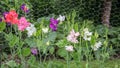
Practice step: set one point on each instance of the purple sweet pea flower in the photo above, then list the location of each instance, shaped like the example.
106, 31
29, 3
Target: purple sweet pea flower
53, 24
5, 14
34, 51
24, 8
0, 19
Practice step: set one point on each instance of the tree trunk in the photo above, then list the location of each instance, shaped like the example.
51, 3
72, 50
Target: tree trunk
106, 12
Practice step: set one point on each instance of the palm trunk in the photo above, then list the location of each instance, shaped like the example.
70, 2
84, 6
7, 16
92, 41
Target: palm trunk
106, 12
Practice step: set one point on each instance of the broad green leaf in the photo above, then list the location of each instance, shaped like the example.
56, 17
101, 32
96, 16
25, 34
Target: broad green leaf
26, 52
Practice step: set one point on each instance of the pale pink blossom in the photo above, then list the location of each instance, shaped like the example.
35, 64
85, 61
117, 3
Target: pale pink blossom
23, 24
69, 48
72, 37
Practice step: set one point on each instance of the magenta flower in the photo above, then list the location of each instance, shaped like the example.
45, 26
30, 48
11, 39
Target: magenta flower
34, 51
23, 24
53, 24
24, 8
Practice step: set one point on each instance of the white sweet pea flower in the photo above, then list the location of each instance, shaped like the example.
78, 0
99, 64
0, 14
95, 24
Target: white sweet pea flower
69, 48
61, 18
87, 34
96, 46
45, 30
31, 30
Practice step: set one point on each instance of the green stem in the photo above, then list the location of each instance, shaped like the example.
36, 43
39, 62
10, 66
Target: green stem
67, 59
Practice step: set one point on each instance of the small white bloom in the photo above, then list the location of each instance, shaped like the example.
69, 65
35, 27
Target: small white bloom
61, 18
31, 30
96, 46
69, 48
87, 34
45, 30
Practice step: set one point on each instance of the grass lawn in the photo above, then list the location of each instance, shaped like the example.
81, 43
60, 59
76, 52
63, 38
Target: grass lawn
73, 64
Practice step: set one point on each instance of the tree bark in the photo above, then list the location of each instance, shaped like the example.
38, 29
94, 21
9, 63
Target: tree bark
106, 12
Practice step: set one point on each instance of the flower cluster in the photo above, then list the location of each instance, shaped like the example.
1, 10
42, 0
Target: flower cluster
11, 17
96, 46
87, 34
53, 24
72, 37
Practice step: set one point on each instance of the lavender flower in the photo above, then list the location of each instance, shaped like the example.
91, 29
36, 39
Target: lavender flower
34, 51
24, 8
53, 24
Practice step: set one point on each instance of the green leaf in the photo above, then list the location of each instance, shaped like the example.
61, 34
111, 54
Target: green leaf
52, 49
12, 39
2, 26
52, 36
30, 41
62, 52
26, 52
11, 63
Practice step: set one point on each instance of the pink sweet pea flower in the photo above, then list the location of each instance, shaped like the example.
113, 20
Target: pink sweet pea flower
23, 24
72, 37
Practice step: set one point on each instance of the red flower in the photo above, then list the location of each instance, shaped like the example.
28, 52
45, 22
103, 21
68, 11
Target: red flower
11, 17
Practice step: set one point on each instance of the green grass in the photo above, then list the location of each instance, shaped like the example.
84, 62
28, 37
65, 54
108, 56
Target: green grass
73, 64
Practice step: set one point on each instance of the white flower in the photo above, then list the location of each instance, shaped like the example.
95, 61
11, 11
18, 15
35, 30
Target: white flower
72, 37
69, 48
61, 18
45, 30
96, 46
31, 30
87, 34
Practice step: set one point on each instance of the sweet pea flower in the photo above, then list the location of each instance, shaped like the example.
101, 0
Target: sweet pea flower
11, 17
31, 30
23, 24
0, 19
45, 30
72, 37
24, 8
53, 24
96, 46
61, 18
69, 48
87, 34
34, 51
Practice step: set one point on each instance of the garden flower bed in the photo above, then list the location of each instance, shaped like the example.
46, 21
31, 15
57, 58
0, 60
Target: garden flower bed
57, 41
